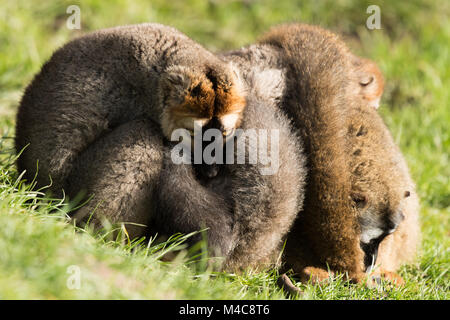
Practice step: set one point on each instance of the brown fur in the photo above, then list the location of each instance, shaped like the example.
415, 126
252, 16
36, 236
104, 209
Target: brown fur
197, 95
355, 169
97, 116
265, 206
134, 181
327, 229
103, 79
200, 104
381, 180
120, 172
229, 100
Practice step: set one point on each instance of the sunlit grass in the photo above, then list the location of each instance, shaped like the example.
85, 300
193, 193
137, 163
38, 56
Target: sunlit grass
38, 242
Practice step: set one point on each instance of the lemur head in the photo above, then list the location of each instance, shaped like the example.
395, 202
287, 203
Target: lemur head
370, 81
381, 193
379, 215
210, 97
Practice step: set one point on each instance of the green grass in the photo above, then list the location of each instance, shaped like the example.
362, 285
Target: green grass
37, 247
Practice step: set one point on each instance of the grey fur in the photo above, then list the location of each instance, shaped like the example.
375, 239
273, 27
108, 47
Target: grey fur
120, 172
91, 118
94, 84
248, 214
265, 206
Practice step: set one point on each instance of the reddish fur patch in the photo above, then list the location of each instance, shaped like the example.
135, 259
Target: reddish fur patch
377, 87
205, 102
229, 101
197, 103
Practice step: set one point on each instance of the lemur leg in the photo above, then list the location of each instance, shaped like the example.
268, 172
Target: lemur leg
131, 178
315, 275
185, 205
120, 172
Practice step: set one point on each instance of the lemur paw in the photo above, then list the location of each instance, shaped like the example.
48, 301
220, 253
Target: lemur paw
315, 275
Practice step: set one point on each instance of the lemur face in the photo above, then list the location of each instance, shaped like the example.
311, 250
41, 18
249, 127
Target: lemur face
377, 219
207, 99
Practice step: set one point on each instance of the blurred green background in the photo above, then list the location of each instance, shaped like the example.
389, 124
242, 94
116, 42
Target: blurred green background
412, 49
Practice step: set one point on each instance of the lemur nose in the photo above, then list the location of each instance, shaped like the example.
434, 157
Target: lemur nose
214, 123
394, 220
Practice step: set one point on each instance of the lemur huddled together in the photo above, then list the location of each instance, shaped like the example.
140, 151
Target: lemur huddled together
276, 149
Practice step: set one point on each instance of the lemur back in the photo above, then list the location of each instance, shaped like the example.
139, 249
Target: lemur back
352, 203
329, 90
107, 78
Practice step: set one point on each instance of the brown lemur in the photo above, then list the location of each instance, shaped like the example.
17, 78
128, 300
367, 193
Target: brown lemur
358, 190
98, 118
106, 78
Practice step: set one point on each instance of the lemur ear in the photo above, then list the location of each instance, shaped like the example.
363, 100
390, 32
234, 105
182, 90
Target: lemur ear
365, 79
370, 80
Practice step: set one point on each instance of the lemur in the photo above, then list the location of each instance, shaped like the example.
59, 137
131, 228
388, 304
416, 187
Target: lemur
352, 204
99, 117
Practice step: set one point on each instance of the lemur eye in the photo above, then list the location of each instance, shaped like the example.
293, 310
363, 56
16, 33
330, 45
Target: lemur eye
407, 194
359, 199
